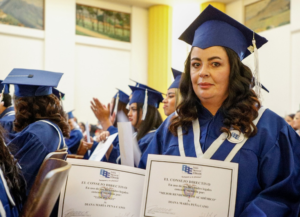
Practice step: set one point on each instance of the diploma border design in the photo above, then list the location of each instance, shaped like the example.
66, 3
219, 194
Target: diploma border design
231, 170
63, 203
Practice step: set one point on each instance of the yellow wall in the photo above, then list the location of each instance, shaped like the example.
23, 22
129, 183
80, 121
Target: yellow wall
159, 48
218, 5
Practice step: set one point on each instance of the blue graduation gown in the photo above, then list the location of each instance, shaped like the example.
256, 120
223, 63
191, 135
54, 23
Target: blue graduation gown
10, 209
74, 141
31, 146
7, 118
269, 162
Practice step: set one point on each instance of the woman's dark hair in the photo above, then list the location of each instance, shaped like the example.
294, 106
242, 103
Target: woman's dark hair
7, 100
292, 115
82, 124
152, 120
32, 109
239, 109
121, 107
12, 175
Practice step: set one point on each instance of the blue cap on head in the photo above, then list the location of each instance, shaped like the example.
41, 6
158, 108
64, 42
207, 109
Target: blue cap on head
123, 97
58, 94
214, 28
144, 86
29, 82
177, 76
70, 114
138, 96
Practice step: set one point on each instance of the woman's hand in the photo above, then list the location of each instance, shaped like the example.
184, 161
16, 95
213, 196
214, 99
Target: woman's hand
87, 145
104, 135
102, 113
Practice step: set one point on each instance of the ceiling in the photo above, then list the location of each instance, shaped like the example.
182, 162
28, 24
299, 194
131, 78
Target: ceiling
149, 3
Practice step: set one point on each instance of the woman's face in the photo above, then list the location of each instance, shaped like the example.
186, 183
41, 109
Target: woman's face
210, 70
297, 121
82, 127
132, 115
169, 102
289, 120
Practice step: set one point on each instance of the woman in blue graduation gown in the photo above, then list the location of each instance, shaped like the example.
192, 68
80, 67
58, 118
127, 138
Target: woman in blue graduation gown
143, 115
12, 184
221, 118
7, 116
74, 140
172, 98
40, 120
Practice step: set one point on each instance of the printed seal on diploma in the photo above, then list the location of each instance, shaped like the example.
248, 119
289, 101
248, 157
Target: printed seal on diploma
184, 186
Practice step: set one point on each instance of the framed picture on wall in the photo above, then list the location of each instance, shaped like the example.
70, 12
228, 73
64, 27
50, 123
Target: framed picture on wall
267, 14
103, 23
25, 13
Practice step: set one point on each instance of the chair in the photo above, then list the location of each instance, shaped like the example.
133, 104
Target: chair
62, 150
57, 155
46, 188
81, 149
75, 156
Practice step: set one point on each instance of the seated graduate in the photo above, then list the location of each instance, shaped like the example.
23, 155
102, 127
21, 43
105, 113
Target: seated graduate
221, 116
172, 98
73, 141
143, 115
7, 110
117, 104
12, 184
40, 120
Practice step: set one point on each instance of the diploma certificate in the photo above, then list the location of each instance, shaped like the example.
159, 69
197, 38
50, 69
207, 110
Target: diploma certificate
182, 186
101, 189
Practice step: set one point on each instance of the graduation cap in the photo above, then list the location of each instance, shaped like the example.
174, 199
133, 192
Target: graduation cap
177, 76
215, 28
29, 82
145, 86
145, 96
70, 114
1, 86
58, 94
122, 97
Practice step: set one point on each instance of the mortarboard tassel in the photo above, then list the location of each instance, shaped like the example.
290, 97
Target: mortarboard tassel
145, 105
256, 79
116, 104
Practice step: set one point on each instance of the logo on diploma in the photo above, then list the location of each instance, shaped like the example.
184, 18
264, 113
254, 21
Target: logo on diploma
188, 190
187, 169
109, 175
106, 193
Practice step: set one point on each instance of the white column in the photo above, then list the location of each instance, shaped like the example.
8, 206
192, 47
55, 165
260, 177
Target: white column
60, 45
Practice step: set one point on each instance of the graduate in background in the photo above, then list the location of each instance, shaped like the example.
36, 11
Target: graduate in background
40, 120
12, 184
118, 103
173, 97
7, 110
73, 141
221, 118
143, 115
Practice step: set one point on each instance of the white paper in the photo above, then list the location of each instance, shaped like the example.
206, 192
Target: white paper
102, 148
101, 189
87, 131
182, 186
126, 143
136, 149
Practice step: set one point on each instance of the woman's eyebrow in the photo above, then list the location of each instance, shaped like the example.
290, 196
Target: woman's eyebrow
171, 93
215, 57
196, 58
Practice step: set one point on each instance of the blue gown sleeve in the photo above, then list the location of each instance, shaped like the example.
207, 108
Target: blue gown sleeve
278, 176
155, 146
30, 155
115, 153
87, 155
74, 141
